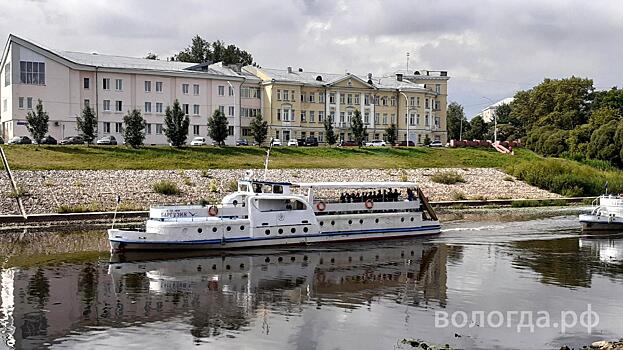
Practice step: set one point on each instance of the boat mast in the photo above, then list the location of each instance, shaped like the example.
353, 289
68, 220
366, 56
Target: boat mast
267, 159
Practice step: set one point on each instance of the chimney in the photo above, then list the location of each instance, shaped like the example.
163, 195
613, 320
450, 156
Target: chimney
289, 69
300, 69
399, 76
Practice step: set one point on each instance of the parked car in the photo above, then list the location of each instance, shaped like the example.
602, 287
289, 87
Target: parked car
48, 140
20, 140
347, 144
242, 142
404, 144
435, 143
107, 140
311, 141
276, 142
300, 142
72, 140
375, 143
198, 141
293, 142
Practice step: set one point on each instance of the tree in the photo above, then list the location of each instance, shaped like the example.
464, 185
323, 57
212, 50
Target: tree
329, 132
602, 145
38, 122
87, 125
392, 133
134, 130
357, 128
427, 140
176, 125
259, 129
455, 121
151, 56
478, 129
201, 50
217, 127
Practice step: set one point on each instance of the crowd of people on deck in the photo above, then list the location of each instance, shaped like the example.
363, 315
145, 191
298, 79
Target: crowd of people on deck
386, 195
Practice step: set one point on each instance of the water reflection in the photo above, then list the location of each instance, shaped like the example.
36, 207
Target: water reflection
215, 295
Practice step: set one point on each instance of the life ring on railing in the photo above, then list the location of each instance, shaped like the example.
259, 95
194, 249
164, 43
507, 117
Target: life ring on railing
213, 211
369, 204
321, 206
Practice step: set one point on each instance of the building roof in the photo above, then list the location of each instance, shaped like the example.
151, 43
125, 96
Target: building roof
326, 79
499, 103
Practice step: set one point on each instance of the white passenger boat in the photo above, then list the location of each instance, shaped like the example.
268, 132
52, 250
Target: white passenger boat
263, 213
606, 216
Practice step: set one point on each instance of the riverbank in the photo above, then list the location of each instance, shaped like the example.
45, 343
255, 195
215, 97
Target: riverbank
55, 191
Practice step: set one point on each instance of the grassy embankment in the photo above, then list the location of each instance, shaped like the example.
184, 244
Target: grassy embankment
567, 177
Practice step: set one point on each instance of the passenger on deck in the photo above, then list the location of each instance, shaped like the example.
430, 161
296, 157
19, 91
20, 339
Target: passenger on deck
342, 198
384, 198
396, 195
379, 196
410, 195
364, 196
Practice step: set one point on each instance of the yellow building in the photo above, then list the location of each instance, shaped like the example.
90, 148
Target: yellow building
295, 103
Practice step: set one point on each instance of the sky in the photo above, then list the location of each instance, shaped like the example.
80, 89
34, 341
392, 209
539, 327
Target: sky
491, 49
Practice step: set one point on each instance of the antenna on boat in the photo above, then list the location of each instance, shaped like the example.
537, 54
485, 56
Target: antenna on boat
114, 217
267, 159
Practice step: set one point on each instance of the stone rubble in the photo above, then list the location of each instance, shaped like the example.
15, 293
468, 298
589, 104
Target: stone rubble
49, 189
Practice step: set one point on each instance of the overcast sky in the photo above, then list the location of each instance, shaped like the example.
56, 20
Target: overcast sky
489, 48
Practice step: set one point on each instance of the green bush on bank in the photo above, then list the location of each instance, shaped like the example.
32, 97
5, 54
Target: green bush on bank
166, 187
568, 178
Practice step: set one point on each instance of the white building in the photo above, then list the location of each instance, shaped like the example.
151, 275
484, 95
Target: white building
113, 85
488, 114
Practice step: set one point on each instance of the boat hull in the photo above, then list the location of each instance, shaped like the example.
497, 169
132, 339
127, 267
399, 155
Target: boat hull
123, 244
600, 223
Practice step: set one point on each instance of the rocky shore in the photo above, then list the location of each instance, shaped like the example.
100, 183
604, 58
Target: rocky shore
70, 190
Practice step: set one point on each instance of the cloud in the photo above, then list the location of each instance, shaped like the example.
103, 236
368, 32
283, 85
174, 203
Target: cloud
490, 48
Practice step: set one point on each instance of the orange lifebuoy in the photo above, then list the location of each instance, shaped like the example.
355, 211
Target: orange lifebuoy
321, 206
213, 211
369, 204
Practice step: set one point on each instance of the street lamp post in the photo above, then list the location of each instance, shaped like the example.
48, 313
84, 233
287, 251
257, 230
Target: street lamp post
495, 121
407, 118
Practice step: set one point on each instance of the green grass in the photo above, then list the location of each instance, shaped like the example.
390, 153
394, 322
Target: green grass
26, 157
447, 177
538, 203
166, 187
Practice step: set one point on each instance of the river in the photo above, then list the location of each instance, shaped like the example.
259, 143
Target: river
500, 275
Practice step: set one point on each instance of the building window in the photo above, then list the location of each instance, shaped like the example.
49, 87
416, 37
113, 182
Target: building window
147, 86
20, 104
417, 101
357, 99
221, 90
342, 117
106, 83
321, 97
246, 132
4, 105
376, 118
412, 119
384, 118
158, 86
185, 108
393, 119
87, 103
245, 92
321, 137
195, 89
437, 122
426, 104
158, 107
31, 73
312, 97
107, 105
303, 116
320, 116
87, 83
221, 109
366, 99
312, 117
118, 84
7, 74
147, 107
148, 129
158, 129
118, 106
278, 114
332, 98
231, 111
366, 117
196, 129
341, 98
106, 127
293, 99
393, 101
118, 128
303, 99
285, 95
437, 88
196, 109
185, 89
278, 95
427, 121
231, 91
412, 101
230, 131
417, 119
384, 100
29, 103
350, 99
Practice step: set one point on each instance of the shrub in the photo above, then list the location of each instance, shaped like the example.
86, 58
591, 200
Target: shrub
447, 177
458, 196
188, 182
206, 173
21, 192
233, 185
203, 202
403, 176
213, 186
508, 178
166, 187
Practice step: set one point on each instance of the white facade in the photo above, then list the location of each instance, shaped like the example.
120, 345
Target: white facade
488, 114
112, 86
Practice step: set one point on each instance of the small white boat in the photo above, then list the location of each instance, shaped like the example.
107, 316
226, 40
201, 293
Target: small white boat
263, 213
606, 216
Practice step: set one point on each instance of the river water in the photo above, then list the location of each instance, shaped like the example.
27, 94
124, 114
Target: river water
64, 291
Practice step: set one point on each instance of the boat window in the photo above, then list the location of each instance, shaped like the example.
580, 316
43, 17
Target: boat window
267, 189
275, 204
257, 188
277, 189
244, 188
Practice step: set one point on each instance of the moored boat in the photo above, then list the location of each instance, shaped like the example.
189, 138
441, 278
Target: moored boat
606, 216
264, 213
